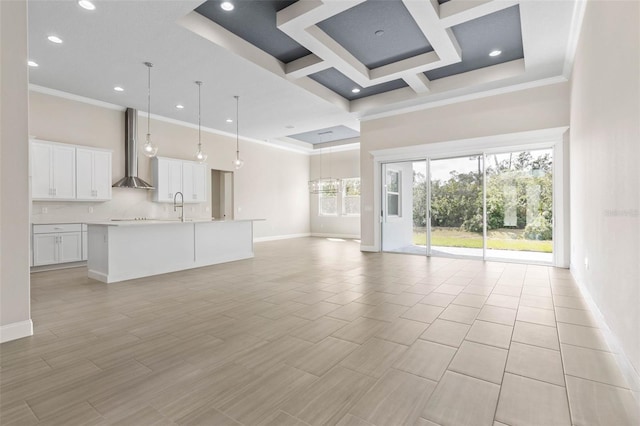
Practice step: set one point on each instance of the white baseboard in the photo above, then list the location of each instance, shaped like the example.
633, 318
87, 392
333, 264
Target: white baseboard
626, 367
280, 237
16, 330
372, 249
345, 236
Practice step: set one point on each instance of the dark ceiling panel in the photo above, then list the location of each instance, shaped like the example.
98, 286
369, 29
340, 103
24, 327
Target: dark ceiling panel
355, 29
255, 22
329, 134
500, 30
342, 85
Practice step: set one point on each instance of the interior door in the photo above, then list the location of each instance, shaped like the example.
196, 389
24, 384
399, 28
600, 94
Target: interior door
404, 207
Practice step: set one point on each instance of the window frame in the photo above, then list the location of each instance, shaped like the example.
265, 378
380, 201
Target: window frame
397, 193
343, 191
322, 195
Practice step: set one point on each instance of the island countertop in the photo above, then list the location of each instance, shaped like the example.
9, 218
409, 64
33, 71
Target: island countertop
129, 249
118, 222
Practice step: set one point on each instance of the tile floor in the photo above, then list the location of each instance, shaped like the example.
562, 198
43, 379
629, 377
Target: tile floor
314, 332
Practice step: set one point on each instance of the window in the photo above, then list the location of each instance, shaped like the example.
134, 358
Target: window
351, 197
340, 201
393, 193
328, 202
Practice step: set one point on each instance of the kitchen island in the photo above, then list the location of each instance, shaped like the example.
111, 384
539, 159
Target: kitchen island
124, 250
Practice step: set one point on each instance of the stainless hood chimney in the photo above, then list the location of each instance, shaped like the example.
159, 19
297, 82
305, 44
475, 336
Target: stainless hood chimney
131, 179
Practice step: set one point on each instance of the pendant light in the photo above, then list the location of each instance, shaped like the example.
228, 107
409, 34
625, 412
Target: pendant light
201, 157
149, 149
237, 163
324, 185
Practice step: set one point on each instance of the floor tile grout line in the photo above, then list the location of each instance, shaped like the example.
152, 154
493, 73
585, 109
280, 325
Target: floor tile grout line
504, 371
564, 371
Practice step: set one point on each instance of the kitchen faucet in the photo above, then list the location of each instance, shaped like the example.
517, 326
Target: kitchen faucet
175, 204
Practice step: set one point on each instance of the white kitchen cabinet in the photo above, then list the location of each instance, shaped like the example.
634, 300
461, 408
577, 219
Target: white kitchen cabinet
57, 243
194, 182
167, 178
53, 171
93, 170
171, 175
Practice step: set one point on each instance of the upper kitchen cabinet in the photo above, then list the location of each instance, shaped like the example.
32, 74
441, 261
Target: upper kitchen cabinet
69, 172
53, 171
167, 178
194, 183
171, 175
94, 175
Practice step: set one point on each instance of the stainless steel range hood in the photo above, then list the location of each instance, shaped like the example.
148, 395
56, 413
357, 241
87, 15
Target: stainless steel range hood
131, 179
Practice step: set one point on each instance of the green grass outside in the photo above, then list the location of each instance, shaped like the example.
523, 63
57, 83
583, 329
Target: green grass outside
499, 239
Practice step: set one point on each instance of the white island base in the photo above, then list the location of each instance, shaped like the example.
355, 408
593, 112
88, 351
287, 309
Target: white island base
121, 251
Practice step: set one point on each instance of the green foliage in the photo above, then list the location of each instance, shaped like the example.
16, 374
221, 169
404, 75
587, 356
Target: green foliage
539, 229
419, 200
519, 191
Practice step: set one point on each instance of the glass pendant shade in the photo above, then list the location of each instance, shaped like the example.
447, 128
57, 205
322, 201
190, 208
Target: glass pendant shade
201, 157
149, 149
238, 163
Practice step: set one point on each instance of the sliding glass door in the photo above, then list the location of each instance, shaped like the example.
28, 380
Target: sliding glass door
457, 206
486, 205
520, 206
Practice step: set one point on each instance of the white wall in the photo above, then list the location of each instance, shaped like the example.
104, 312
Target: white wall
339, 165
272, 185
526, 110
605, 172
15, 317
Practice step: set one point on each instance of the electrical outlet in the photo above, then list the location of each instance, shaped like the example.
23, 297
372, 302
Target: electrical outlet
193, 209
586, 263
45, 210
207, 209
90, 209
239, 209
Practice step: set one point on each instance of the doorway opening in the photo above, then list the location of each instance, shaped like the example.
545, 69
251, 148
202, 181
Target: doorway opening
221, 194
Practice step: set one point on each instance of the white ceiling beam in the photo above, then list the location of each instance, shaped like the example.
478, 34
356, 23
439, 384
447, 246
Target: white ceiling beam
304, 66
456, 12
444, 43
418, 82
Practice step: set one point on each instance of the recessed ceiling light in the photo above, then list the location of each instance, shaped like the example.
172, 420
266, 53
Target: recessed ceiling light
118, 89
180, 106
355, 90
86, 4
289, 126
54, 39
379, 33
32, 64
227, 5
495, 52
228, 120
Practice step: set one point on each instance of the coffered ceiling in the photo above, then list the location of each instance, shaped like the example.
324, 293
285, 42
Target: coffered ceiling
300, 67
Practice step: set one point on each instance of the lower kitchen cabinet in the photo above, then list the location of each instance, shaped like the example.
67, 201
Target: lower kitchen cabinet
57, 243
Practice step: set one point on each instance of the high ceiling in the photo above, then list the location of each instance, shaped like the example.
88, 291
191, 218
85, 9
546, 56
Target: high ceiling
294, 64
